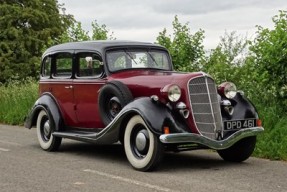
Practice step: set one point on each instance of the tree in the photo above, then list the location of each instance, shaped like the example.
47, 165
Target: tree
269, 58
77, 33
186, 49
226, 61
27, 27
74, 33
100, 32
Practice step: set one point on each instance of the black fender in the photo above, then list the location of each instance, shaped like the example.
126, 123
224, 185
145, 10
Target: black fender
45, 102
243, 109
155, 114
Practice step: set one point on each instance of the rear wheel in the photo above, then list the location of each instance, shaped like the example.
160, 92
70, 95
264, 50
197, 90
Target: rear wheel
143, 149
240, 151
45, 128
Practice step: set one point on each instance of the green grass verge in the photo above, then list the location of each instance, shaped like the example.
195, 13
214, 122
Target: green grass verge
16, 99
272, 144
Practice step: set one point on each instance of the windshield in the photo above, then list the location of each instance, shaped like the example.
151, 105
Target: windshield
131, 59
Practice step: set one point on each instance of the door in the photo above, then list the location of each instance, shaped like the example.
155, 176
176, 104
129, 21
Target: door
61, 86
88, 80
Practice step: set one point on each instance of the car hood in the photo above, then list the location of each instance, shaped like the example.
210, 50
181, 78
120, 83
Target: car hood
146, 83
153, 78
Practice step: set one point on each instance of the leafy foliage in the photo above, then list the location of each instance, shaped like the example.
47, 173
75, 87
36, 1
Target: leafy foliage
186, 49
226, 61
77, 33
269, 58
74, 33
27, 27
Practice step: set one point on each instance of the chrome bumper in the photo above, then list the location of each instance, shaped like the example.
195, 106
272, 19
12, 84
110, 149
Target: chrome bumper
185, 138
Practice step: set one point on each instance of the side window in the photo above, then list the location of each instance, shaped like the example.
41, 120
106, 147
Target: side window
90, 65
63, 65
46, 67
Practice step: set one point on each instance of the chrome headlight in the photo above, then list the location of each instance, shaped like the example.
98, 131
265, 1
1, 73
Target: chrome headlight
174, 93
171, 92
228, 89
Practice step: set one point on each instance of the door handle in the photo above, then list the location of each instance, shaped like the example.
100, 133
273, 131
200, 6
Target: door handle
69, 87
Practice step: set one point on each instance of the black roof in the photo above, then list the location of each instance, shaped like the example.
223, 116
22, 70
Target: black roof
98, 46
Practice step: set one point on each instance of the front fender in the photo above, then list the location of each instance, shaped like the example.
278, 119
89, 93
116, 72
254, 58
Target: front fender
45, 102
243, 109
156, 115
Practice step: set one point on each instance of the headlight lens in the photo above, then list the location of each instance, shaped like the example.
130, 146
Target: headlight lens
174, 93
230, 90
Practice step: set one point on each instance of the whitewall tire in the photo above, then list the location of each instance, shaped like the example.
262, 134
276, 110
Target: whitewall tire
143, 149
45, 128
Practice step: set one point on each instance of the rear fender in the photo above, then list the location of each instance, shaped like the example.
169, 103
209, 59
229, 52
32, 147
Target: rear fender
45, 102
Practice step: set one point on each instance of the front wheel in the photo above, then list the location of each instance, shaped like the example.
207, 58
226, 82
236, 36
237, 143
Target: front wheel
143, 149
240, 151
47, 141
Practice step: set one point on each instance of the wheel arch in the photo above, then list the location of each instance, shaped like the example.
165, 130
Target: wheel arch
45, 102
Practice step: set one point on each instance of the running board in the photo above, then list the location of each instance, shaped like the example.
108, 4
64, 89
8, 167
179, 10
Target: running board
97, 138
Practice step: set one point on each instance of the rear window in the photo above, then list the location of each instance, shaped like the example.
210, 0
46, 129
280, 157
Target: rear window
46, 67
63, 65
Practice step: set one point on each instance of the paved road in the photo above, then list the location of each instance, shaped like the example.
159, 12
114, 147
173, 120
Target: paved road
85, 167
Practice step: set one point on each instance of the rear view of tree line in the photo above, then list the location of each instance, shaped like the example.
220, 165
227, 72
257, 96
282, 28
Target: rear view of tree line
257, 66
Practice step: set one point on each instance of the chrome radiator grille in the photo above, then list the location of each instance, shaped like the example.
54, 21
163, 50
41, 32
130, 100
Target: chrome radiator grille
205, 106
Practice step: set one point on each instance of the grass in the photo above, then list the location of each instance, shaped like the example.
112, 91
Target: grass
272, 144
16, 99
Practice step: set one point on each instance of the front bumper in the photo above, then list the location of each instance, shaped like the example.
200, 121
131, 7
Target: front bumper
186, 138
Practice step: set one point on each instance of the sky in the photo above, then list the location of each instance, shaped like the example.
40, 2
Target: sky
143, 20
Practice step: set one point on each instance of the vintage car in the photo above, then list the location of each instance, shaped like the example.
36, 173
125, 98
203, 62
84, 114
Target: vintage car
105, 92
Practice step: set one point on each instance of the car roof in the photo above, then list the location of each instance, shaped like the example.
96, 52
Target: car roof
99, 46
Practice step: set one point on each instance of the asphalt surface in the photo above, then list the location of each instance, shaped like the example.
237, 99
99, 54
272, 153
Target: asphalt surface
77, 166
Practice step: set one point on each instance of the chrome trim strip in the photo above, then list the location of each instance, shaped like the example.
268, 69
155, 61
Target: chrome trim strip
180, 138
211, 107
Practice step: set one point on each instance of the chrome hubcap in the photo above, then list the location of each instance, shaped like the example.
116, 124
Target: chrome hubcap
141, 141
47, 129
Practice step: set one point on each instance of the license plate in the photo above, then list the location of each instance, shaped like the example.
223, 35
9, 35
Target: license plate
239, 124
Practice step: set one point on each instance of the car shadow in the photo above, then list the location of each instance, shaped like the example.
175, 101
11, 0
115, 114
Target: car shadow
195, 160
88, 150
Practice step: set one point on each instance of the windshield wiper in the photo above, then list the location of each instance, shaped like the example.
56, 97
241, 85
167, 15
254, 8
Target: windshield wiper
153, 59
131, 57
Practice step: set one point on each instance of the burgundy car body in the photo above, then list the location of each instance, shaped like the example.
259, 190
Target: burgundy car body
176, 111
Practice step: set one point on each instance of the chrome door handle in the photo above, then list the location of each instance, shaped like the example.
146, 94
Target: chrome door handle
69, 87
